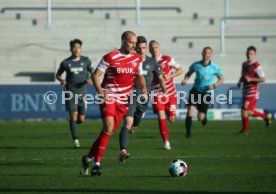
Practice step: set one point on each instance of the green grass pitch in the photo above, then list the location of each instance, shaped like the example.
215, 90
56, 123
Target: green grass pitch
38, 157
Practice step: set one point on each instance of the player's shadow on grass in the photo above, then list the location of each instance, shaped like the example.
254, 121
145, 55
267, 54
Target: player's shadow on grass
42, 148
153, 176
22, 164
142, 137
7, 190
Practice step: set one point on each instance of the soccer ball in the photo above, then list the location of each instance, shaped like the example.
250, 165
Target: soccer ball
178, 168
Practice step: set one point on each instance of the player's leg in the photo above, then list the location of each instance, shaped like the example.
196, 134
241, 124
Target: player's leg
124, 134
171, 109
245, 112
123, 138
192, 103
160, 107
112, 115
82, 107
189, 120
98, 148
100, 144
73, 128
72, 108
203, 108
266, 117
138, 115
201, 116
81, 119
78, 118
268, 120
164, 130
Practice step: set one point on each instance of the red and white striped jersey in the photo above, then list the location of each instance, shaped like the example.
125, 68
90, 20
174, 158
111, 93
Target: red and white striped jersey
120, 72
252, 70
166, 64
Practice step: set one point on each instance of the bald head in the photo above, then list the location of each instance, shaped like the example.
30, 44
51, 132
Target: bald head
126, 34
129, 40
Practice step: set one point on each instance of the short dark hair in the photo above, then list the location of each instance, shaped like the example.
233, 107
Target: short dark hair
152, 42
205, 48
141, 39
125, 35
73, 42
251, 48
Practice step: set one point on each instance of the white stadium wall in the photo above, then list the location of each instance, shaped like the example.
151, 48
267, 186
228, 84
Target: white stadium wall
30, 53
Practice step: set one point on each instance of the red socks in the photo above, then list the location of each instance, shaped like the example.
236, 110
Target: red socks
259, 114
245, 121
164, 130
99, 146
94, 148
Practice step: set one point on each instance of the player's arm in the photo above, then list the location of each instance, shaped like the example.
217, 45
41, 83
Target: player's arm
220, 79
96, 75
141, 80
187, 77
241, 78
90, 70
157, 72
259, 78
162, 83
59, 73
178, 71
239, 82
256, 79
142, 84
217, 83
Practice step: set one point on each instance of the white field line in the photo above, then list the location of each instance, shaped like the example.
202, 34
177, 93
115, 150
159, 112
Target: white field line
141, 157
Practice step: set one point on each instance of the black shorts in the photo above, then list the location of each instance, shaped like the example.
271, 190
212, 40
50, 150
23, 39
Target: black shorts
200, 100
76, 105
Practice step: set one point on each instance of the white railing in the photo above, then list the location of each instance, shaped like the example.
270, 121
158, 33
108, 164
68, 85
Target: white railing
223, 25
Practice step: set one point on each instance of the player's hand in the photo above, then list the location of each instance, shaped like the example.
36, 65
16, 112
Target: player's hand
133, 129
105, 98
166, 77
89, 82
211, 87
247, 79
183, 82
165, 92
63, 82
145, 96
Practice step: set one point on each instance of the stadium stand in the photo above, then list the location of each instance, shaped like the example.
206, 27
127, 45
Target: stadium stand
30, 52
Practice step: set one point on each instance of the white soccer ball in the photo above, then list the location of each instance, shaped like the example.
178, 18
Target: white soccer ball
178, 168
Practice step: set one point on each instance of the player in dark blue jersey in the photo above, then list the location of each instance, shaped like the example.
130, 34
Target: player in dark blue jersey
78, 69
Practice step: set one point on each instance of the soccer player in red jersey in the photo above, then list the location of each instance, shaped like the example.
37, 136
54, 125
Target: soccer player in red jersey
165, 103
252, 74
120, 69
139, 106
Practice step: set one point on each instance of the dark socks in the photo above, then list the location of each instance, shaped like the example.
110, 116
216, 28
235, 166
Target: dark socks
73, 128
124, 134
188, 125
